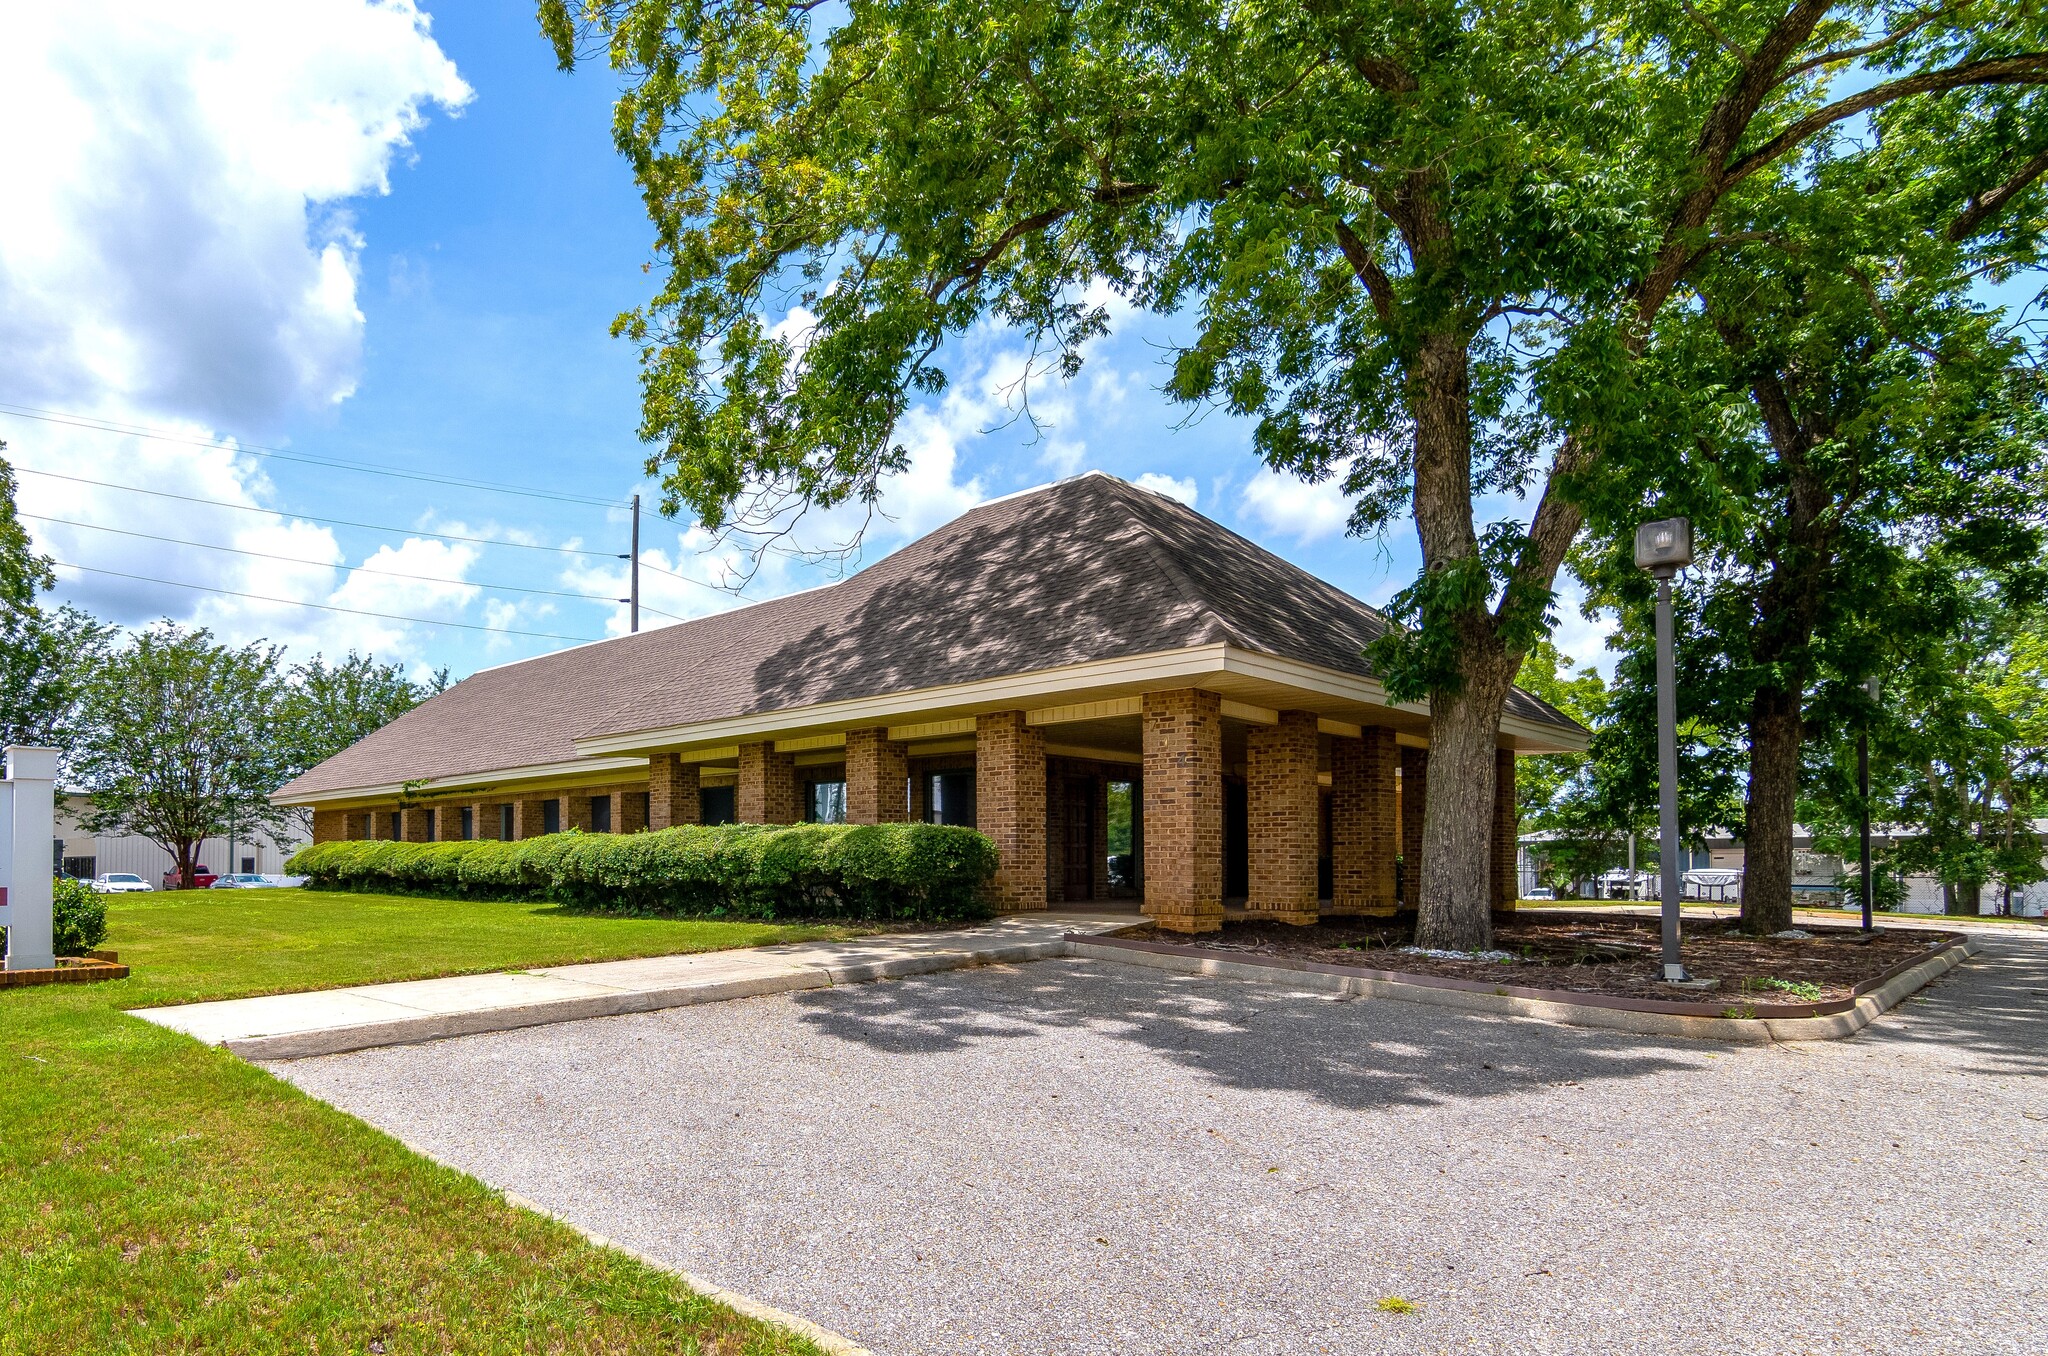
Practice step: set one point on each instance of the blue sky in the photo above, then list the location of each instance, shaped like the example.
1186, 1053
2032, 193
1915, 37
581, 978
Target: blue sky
367, 233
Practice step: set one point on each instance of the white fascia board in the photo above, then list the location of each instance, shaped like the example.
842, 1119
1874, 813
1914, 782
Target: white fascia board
532, 772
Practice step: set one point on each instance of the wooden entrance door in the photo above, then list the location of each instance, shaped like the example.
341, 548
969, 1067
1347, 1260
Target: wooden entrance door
1079, 853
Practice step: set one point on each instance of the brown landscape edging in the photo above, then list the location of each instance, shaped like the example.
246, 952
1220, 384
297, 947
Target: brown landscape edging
1705, 1021
69, 970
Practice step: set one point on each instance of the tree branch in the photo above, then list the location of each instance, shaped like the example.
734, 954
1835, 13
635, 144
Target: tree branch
2028, 69
1986, 205
1837, 56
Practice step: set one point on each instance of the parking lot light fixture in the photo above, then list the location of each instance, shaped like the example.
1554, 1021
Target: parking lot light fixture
1663, 548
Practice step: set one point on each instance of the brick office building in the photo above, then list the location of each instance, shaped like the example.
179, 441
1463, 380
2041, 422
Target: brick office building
1032, 668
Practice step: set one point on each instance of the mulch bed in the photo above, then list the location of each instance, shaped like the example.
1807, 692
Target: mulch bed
1606, 954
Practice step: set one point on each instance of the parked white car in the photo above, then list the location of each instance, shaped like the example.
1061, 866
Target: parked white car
118, 883
240, 880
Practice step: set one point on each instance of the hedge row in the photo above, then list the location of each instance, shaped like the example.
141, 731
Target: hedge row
870, 872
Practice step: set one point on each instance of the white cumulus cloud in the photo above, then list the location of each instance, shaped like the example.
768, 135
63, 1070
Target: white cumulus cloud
1289, 506
1183, 489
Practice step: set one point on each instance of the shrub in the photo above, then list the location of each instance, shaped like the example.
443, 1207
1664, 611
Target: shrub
868, 872
78, 918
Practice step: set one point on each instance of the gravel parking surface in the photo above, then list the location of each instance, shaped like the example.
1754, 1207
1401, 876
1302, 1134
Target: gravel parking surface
1074, 1156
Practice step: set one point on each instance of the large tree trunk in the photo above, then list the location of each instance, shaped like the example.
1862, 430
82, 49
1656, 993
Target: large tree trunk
1964, 897
1774, 738
1456, 906
185, 854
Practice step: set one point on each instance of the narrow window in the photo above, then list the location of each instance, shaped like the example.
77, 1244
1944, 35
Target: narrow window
551, 816
1123, 866
396, 834
505, 823
600, 814
248, 866
468, 823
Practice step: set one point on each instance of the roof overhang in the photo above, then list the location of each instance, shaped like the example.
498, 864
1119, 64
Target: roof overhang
577, 771
1256, 687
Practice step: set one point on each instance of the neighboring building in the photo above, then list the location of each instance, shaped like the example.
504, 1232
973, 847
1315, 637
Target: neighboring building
1015, 670
86, 855
1714, 872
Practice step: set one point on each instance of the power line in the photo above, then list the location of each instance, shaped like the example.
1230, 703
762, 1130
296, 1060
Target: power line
282, 454
324, 564
331, 522
324, 607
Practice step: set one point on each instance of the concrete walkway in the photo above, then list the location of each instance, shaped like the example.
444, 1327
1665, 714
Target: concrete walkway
331, 1021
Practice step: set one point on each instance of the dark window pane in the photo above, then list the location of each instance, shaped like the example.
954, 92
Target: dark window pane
828, 803
952, 799
468, 823
600, 814
715, 805
551, 816
506, 822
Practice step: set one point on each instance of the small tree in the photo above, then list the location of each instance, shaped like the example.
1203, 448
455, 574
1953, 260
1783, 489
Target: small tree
178, 740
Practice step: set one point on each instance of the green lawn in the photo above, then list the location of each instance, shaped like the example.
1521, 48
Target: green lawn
160, 1196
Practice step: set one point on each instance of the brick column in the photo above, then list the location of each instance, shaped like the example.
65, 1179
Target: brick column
528, 819
876, 771
632, 812
484, 814
672, 789
1506, 887
1183, 809
1009, 805
1365, 835
767, 791
1414, 795
1282, 821
415, 824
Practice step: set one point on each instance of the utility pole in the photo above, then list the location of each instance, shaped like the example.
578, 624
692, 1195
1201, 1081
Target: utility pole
633, 567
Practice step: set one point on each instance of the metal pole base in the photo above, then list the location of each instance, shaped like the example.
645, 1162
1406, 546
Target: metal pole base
1677, 974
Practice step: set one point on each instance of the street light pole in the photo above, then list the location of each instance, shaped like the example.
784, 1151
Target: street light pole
1664, 548
632, 597
1870, 687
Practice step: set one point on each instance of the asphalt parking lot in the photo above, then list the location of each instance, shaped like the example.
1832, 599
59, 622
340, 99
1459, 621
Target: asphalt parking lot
1074, 1156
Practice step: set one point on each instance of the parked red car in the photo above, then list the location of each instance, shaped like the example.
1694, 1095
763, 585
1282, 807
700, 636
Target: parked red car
202, 879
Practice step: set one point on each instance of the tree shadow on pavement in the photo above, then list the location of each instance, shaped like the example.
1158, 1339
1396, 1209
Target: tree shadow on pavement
1990, 1013
1351, 1053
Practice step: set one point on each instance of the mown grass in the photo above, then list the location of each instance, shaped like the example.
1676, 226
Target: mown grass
160, 1196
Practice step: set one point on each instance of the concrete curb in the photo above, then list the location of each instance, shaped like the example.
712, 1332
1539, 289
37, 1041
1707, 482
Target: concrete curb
824, 1338
1746, 1031
438, 1026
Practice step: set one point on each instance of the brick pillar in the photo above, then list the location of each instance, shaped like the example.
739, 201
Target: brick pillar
1009, 805
876, 770
528, 818
416, 824
1283, 823
1183, 809
632, 812
330, 826
484, 814
1365, 835
576, 810
1414, 795
767, 791
672, 789
1506, 886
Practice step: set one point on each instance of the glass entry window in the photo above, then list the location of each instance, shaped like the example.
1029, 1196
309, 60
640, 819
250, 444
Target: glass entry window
949, 798
600, 814
826, 803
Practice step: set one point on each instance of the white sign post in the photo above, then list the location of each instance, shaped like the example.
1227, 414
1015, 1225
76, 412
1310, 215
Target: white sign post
28, 821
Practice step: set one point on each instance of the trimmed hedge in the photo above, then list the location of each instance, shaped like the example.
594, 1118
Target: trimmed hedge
917, 872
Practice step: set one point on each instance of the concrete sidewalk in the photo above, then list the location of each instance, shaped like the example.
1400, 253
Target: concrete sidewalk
331, 1021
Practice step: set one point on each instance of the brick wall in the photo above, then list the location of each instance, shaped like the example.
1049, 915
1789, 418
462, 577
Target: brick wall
1414, 796
331, 826
416, 824
1009, 805
877, 771
767, 790
631, 810
1183, 809
1283, 819
529, 816
1365, 832
672, 790
484, 814
1505, 882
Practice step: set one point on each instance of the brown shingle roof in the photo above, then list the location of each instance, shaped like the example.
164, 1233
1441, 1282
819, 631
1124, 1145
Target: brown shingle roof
1087, 569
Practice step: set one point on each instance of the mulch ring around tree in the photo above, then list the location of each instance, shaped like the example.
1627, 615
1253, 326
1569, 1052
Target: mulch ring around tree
1610, 954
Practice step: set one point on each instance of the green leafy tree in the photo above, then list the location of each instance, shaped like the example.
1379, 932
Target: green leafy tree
1836, 401
178, 740
1421, 242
